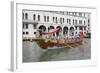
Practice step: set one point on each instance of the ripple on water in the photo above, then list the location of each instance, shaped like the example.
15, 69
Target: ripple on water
33, 53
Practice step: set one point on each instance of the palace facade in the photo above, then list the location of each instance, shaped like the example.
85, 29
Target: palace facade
69, 23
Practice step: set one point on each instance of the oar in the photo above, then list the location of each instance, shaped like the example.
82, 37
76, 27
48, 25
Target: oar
77, 44
69, 46
84, 41
65, 46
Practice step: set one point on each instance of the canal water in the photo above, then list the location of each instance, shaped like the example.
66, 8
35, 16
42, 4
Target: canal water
33, 53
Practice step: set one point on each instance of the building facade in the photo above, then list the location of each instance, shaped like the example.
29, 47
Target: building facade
69, 23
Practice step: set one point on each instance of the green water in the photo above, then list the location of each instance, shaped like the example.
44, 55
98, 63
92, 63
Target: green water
33, 53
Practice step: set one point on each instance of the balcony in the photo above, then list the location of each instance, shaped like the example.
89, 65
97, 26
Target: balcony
80, 25
30, 21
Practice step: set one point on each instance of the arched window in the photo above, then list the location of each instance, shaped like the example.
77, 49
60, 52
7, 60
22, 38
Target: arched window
34, 17
48, 18
42, 28
38, 17
45, 18
80, 28
58, 33
88, 21
67, 20
56, 19
84, 22
26, 16
26, 26
23, 16
65, 30
71, 31
76, 27
53, 19
84, 28
61, 20
73, 21
80, 21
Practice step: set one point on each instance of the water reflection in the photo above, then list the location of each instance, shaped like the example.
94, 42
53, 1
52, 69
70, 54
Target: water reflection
33, 53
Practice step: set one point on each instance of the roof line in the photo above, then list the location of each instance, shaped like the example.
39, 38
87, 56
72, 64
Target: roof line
57, 5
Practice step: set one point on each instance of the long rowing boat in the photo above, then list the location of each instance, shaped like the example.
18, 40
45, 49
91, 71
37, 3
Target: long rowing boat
59, 42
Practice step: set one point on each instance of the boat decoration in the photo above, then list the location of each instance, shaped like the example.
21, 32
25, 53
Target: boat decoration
61, 42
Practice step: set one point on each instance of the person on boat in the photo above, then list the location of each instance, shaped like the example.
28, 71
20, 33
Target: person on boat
73, 38
58, 37
77, 37
69, 39
66, 38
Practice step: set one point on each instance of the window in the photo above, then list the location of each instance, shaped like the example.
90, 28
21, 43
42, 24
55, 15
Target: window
45, 18
56, 19
34, 17
26, 26
23, 25
88, 21
84, 28
53, 19
34, 32
48, 18
23, 15
80, 21
27, 33
63, 20
84, 22
75, 21
69, 21
76, 28
35, 25
38, 17
80, 28
26, 16
23, 33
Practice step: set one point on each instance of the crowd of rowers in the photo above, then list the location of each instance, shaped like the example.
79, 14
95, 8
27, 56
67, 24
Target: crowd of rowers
64, 39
